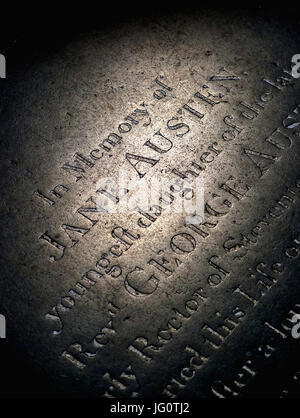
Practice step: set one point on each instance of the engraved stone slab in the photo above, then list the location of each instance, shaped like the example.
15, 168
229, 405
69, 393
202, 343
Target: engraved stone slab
133, 304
